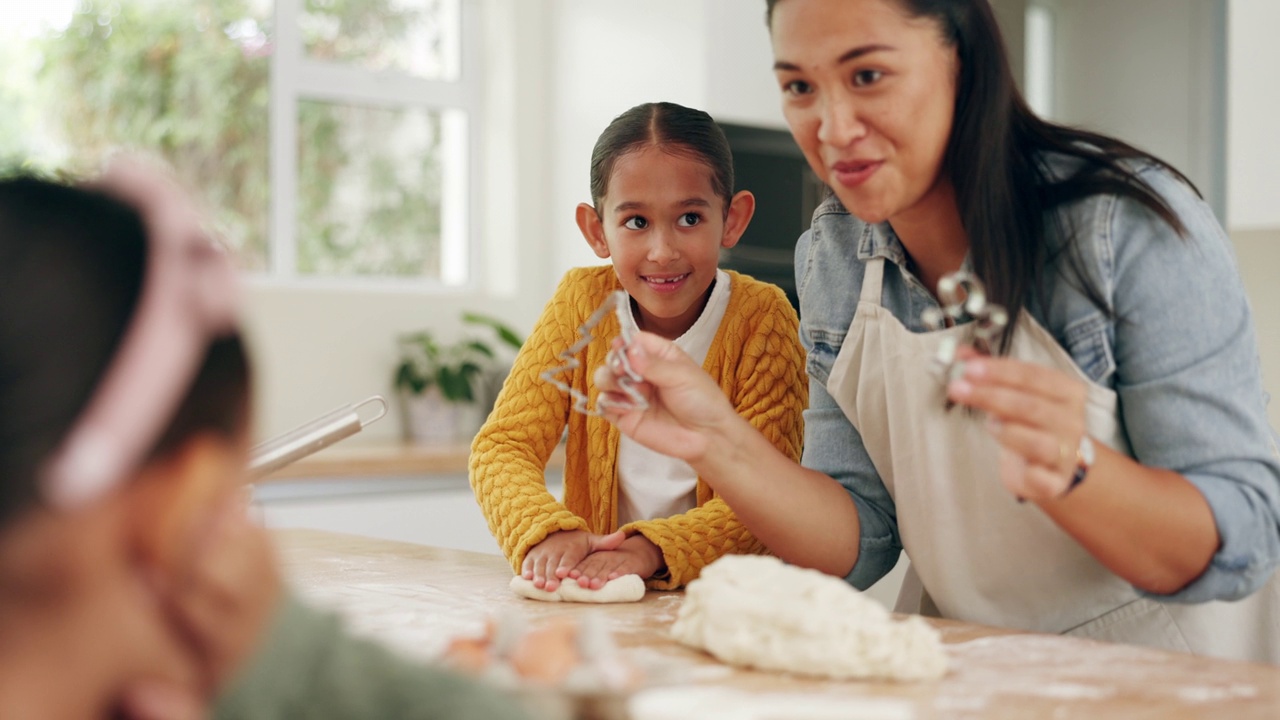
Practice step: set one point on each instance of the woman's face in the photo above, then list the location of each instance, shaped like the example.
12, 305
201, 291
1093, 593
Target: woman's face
869, 93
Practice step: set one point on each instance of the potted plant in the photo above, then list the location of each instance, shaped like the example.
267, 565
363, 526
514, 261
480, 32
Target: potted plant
446, 390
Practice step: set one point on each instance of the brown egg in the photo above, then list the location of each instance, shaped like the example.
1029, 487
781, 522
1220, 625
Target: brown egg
547, 654
470, 655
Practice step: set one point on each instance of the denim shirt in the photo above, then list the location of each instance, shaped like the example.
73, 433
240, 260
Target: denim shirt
1181, 354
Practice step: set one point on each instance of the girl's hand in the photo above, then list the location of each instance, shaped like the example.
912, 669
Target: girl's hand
635, 556
1035, 413
551, 560
686, 407
223, 606
160, 700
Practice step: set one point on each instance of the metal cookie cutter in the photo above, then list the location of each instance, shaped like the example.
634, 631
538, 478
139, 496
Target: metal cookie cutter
616, 360
963, 298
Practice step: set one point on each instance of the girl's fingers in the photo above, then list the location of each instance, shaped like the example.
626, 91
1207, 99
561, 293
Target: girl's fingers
590, 570
541, 578
565, 565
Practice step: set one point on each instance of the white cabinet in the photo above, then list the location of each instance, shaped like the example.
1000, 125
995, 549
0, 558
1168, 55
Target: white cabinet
437, 510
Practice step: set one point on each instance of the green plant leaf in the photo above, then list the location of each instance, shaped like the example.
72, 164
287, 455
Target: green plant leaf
480, 347
407, 378
504, 332
454, 385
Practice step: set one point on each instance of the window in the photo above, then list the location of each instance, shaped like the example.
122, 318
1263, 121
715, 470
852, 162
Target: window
331, 138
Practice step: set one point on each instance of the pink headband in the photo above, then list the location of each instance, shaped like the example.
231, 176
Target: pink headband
188, 298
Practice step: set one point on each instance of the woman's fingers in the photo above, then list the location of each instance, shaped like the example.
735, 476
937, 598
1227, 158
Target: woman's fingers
1036, 446
1036, 413
1023, 376
1008, 404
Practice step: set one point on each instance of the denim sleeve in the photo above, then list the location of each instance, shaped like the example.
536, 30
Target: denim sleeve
1189, 382
833, 446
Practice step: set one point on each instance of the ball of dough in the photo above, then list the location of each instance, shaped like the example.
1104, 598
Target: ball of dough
759, 612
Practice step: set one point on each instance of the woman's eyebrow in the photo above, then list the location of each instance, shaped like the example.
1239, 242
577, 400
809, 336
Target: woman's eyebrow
853, 54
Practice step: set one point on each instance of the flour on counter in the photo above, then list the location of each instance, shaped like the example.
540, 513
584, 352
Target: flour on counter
707, 703
759, 612
628, 588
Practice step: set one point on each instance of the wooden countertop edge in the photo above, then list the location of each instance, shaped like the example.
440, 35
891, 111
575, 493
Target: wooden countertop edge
386, 459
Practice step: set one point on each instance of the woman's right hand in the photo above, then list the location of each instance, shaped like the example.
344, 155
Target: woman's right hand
687, 409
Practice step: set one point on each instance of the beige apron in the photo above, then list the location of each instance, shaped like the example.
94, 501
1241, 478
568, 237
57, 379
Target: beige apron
976, 553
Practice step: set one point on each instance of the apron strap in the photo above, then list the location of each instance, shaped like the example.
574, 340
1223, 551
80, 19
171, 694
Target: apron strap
872, 280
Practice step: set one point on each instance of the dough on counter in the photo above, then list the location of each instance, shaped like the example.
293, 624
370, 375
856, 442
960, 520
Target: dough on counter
757, 611
628, 588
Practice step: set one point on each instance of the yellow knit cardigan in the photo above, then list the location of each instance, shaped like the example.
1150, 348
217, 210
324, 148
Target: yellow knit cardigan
757, 358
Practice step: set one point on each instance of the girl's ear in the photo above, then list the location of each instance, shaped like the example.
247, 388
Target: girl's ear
592, 228
741, 208
175, 499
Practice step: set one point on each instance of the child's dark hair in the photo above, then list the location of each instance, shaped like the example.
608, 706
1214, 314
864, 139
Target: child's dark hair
71, 268
674, 128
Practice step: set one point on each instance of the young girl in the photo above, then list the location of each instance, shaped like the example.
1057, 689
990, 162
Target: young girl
663, 207
130, 577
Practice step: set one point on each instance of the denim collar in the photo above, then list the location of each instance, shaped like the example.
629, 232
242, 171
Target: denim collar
880, 240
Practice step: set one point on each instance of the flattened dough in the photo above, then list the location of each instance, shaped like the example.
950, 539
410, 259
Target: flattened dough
759, 612
628, 588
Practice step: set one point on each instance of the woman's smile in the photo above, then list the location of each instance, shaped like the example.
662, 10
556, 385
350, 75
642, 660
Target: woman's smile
852, 173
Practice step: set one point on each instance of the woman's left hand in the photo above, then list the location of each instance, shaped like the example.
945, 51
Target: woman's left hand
1035, 413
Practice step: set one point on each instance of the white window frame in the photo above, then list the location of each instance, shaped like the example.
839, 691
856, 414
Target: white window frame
295, 77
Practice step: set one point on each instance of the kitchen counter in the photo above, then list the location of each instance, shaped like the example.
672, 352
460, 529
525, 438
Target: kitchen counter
389, 458
416, 598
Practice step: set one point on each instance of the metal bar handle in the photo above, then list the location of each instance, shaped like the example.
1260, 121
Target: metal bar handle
273, 454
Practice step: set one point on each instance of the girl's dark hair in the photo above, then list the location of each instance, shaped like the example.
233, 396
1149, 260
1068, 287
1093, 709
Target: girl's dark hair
995, 160
71, 268
674, 128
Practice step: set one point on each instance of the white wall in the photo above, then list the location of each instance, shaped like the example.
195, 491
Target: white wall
608, 56
1253, 171
739, 65
1143, 70
1253, 107
1258, 252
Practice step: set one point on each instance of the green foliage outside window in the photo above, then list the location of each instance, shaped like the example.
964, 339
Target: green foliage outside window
189, 81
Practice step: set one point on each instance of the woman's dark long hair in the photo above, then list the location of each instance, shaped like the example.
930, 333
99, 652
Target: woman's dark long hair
71, 268
995, 162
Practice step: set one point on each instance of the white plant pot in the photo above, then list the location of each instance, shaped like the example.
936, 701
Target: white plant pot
429, 419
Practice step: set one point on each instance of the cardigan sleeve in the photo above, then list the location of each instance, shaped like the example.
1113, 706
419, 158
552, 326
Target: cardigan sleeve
770, 389
310, 666
509, 455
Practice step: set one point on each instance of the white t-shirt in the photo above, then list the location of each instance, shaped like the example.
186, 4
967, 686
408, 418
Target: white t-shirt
652, 485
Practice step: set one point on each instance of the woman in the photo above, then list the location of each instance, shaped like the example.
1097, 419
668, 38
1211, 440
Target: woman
1039, 506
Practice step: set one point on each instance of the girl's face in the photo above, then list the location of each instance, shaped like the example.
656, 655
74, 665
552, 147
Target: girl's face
869, 93
663, 225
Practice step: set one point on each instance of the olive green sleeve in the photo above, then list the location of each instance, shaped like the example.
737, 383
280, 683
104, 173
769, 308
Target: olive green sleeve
310, 667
